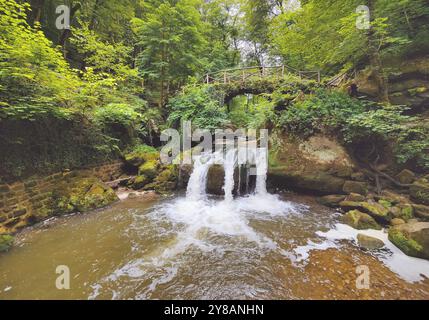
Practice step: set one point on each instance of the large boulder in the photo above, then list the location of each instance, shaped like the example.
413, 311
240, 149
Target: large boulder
166, 181
6, 242
215, 180
318, 165
375, 210
419, 191
411, 238
149, 169
356, 187
408, 84
141, 155
421, 211
360, 220
406, 176
369, 243
82, 194
332, 200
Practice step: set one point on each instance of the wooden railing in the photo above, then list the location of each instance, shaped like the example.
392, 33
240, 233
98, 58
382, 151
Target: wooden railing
242, 75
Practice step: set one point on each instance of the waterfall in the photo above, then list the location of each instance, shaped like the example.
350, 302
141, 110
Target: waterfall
197, 182
229, 166
261, 168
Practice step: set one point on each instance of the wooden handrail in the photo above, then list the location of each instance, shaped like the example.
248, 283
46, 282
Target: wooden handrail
228, 75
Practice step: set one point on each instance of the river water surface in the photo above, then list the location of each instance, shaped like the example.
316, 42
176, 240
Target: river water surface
275, 247
193, 246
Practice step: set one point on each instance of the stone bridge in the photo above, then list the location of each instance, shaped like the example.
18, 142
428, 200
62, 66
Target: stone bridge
258, 80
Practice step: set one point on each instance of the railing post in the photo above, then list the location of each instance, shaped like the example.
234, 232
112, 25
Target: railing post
318, 76
207, 79
243, 77
224, 77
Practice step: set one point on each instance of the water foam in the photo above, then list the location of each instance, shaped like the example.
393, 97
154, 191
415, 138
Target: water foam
408, 268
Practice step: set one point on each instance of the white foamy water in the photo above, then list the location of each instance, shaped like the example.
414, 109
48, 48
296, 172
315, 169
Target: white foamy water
197, 223
408, 268
261, 171
219, 229
198, 179
230, 163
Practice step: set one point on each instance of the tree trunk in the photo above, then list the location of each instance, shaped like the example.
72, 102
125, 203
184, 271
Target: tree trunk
67, 32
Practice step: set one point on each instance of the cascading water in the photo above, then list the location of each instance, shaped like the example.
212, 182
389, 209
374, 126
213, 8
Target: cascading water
229, 166
197, 182
261, 171
196, 189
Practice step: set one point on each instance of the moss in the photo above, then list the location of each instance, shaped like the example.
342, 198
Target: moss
385, 203
82, 195
407, 245
141, 155
419, 191
376, 210
360, 220
166, 181
139, 182
407, 212
149, 169
6, 241
418, 90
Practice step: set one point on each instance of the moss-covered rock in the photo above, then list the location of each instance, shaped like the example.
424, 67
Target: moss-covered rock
411, 238
397, 222
149, 169
139, 182
141, 155
392, 197
318, 164
385, 203
82, 195
6, 241
166, 181
407, 212
395, 212
419, 191
349, 205
377, 211
332, 200
355, 197
360, 220
421, 211
406, 176
355, 187
215, 180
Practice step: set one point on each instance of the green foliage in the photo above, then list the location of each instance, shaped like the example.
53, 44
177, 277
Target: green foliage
142, 148
359, 122
171, 37
115, 113
316, 36
199, 105
34, 78
413, 146
323, 111
385, 123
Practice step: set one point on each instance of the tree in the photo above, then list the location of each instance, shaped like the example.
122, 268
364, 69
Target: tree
172, 42
315, 36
